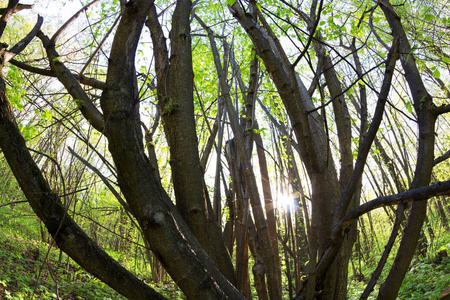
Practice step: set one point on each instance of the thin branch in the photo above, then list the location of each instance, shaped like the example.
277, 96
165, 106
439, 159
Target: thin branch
310, 37
360, 78
102, 177
84, 103
100, 45
92, 82
72, 19
380, 40
14, 203
338, 233
9, 10
364, 149
441, 158
24, 42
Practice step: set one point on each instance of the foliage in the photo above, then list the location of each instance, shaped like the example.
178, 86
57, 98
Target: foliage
351, 37
27, 273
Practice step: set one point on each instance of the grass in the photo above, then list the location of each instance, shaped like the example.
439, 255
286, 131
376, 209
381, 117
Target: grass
31, 269
426, 277
28, 270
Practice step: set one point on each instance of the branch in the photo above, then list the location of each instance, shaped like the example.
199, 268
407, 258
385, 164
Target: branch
65, 25
24, 42
14, 203
100, 45
442, 109
84, 103
18, 8
441, 158
92, 82
379, 39
310, 37
364, 149
7, 13
338, 233
102, 177
68, 235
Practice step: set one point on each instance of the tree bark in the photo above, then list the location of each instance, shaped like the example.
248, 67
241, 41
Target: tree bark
176, 101
423, 105
47, 205
165, 229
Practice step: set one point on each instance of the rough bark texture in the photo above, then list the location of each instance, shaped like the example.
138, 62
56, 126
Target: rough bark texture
308, 127
424, 107
167, 233
176, 101
47, 205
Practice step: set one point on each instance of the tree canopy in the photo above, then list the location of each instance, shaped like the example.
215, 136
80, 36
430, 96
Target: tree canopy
242, 141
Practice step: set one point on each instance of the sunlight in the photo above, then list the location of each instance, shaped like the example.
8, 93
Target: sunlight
285, 200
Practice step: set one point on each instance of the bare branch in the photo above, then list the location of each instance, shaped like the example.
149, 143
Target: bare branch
18, 8
371, 133
100, 45
84, 103
337, 236
65, 25
445, 108
20, 46
9, 10
441, 158
46, 72
311, 35
102, 177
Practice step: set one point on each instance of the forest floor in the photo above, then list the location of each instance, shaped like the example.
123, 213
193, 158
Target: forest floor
28, 270
32, 270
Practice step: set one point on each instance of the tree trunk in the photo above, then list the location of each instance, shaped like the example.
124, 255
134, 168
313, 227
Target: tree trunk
423, 106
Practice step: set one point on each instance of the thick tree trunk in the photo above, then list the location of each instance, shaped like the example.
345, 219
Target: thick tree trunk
166, 231
423, 105
308, 127
47, 205
176, 101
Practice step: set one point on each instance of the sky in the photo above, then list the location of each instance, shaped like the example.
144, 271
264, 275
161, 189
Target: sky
55, 13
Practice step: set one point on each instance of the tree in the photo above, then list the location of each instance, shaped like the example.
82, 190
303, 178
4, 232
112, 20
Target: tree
187, 237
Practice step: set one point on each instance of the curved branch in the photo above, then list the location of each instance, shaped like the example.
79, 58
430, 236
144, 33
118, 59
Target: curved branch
371, 133
337, 236
102, 177
92, 82
310, 37
6, 14
100, 45
445, 108
48, 207
84, 103
24, 42
441, 158
65, 25
379, 39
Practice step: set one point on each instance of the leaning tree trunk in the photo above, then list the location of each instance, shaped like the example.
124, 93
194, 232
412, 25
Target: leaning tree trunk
309, 130
165, 229
424, 107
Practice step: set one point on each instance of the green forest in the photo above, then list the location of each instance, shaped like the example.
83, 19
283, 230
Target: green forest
238, 149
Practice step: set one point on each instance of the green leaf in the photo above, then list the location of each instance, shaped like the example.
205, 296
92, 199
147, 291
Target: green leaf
436, 74
429, 17
257, 131
231, 2
446, 59
28, 132
409, 106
